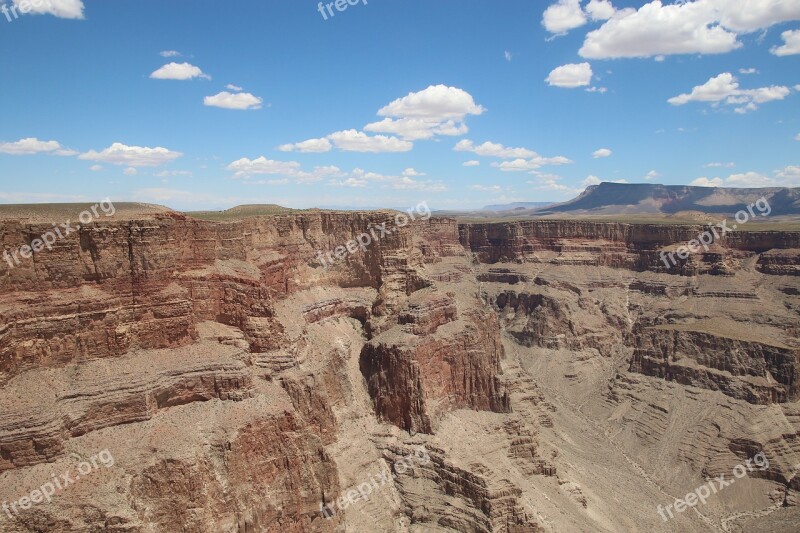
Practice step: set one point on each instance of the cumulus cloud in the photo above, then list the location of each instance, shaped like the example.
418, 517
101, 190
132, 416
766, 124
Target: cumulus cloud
474, 163
173, 173
132, 156
591, 180
522, 159
233, 87
532, 164
170, 53
690, 27
652, 175
791, 44
238, 101
600, 9
65, 9
33, 146
571, 76
130, 171
437, 102
563, 16
705, 182
358, 141
359, 178
490, 149
416, 129
602, 152
96, 168
261, 165
309, 146
437, 110
179, 71
719, 165
724, 89
486, 188
748, 71
785, 177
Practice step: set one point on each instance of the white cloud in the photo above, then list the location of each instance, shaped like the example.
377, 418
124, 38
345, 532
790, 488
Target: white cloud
594, 180
96, 168
601, 90
238, 101
784, 177
413, 173
602, 152
686, 27
590, 180
173, 173
523, 159
130, 171
437, 110
797, 138
132, 156
725, 89
749, 179
358, 141
486, 188
360, 179
33, 146
66, 9
474, 163
705, 182
719, 165
309, 146
233, 87
600, 9
170, 53
508, 55
563, 16
526, 165
571, 76
791, 44
249, 167
245, 169
179, 71
490, 149
652, 175
437, 102
746, 71
414, 129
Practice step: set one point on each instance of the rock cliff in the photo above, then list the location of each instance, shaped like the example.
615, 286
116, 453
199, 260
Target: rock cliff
243, 381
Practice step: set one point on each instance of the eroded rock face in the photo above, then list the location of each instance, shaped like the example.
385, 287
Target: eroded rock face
242, 385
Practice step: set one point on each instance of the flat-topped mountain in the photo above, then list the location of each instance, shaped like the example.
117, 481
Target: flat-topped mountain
649, 199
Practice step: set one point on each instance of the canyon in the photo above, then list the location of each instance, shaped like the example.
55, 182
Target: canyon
558, 374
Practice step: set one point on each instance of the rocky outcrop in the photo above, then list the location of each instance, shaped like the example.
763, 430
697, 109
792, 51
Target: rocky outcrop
753, 371
414, 380
238, 376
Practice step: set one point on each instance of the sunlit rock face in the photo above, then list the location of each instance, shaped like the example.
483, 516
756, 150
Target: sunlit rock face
243, 385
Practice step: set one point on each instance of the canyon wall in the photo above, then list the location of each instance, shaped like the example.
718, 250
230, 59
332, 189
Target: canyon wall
244, 381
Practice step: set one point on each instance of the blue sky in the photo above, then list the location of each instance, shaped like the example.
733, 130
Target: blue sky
391, 98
